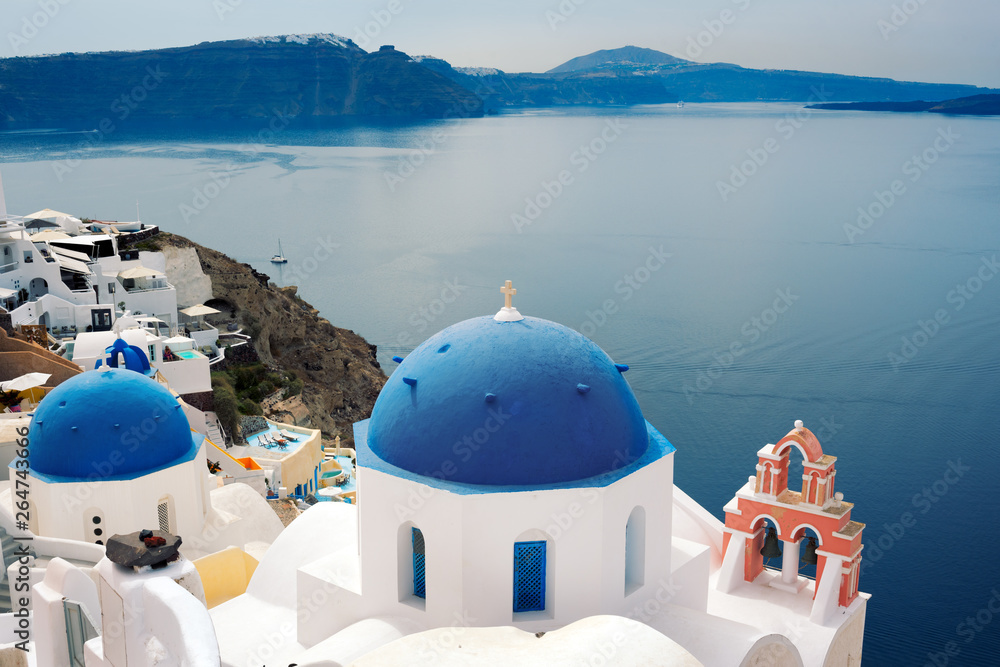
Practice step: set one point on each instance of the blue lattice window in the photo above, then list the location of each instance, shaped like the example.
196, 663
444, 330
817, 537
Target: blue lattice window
529, 576
419, 589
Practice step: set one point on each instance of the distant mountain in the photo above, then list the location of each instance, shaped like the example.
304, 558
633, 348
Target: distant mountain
634, 75
633, 57
303, 77
724, 82
499, 89
976, 105
290, 77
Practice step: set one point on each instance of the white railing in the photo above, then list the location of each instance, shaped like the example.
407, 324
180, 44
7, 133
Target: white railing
139, 290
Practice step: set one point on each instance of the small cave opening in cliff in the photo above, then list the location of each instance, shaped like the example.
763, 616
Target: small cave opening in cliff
224, 305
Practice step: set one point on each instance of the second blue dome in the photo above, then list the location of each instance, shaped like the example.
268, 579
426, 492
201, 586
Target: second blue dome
522, 403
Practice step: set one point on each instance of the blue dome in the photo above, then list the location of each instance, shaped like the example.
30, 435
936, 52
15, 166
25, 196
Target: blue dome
521, 403
108, 424
126, 356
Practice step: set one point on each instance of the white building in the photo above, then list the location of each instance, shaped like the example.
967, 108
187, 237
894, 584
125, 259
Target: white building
76, 283
97, 473
509, 480
519, 509
111, 452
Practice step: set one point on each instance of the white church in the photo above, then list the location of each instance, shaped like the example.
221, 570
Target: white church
514, 507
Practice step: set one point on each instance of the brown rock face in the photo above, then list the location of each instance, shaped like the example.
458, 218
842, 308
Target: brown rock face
340, 372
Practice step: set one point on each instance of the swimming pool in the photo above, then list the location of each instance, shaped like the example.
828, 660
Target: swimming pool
189, 354
327, 494
273, 433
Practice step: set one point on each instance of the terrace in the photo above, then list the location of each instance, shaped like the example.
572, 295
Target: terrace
293, 452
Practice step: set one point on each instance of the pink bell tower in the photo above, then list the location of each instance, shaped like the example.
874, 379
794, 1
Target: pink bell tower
817, 507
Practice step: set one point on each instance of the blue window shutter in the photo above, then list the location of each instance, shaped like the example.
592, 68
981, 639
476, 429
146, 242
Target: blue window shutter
529, 576
419, 588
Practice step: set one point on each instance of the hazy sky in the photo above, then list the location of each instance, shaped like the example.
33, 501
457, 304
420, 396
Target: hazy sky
922, 40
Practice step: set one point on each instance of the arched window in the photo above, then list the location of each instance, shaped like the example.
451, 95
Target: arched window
411, 573
635, 550
529, 576
419, 563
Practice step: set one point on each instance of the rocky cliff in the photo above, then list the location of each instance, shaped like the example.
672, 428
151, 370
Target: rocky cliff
287, 78
976, 105
339, 370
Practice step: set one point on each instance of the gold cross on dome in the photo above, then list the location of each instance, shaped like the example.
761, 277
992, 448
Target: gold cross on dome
508, 292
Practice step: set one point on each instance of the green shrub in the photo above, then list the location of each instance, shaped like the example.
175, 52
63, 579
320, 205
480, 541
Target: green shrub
226, 405
294, 388
148, 245
249, 407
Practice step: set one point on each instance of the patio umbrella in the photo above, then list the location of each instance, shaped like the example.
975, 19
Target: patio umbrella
200, 311
138, 272
39, 223
53, 219
49, 235
27, 382
47, 214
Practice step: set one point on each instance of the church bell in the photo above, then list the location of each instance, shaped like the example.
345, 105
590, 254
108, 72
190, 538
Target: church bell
770, 548
809, 555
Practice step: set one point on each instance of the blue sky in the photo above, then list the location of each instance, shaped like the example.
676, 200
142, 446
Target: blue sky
922, 40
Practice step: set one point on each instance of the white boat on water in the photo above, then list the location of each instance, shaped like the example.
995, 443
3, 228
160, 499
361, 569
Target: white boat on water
280, 257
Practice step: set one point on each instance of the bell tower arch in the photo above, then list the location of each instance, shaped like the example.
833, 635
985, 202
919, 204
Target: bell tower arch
835, 547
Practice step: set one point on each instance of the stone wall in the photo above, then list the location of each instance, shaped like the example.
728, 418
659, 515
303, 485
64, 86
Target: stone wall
202, 400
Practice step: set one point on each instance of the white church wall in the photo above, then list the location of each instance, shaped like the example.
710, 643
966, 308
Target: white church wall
127, 505
693, 522
688, 583
395, 502
571, 523
650, 488
469, 544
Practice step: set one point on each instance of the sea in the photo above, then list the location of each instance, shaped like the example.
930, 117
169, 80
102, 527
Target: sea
753, 264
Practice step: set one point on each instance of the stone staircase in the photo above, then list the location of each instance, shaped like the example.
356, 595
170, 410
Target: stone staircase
9, 546
214, 428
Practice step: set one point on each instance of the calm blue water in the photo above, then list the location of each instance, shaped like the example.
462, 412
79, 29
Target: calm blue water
397, 253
